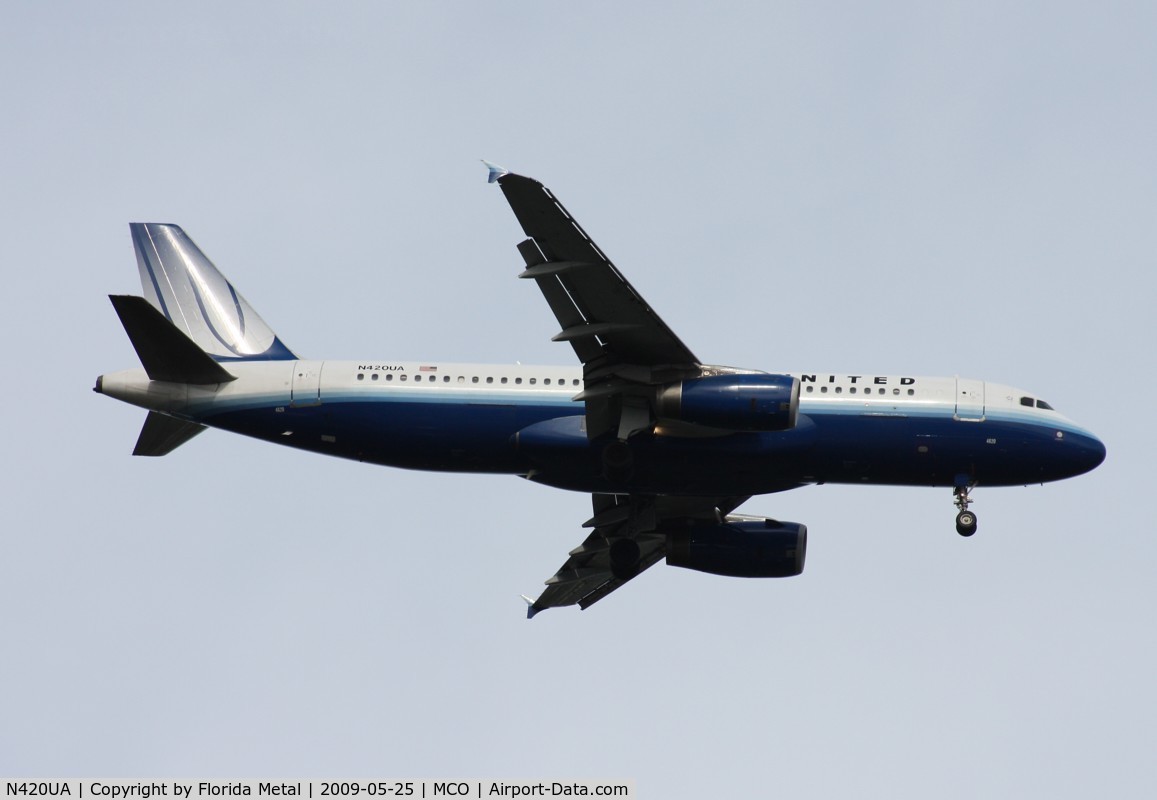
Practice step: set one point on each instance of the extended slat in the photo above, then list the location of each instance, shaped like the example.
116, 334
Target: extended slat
574, 575
611, 516
587, 329
554, 268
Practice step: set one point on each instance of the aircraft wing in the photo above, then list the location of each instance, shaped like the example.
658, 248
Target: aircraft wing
626, 350
622, 343
629, 536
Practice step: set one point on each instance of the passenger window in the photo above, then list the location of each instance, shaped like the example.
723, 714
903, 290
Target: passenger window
546, 382
489, 380
894, 391
852, 390
823, 390
575, 382
374, 377
518, 380
403, 377
532, 381
504, 380
445, 379
474, 379
839, 390
809, 388
911, 392
461, 379
389, 376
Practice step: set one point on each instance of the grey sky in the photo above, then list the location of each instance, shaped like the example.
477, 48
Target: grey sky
919, 189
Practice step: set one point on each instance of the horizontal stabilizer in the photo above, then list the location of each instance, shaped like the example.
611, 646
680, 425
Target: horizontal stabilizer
162, 434
166, 353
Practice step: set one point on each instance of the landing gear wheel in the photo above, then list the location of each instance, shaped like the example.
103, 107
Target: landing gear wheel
965, 520
624, 556
618, 461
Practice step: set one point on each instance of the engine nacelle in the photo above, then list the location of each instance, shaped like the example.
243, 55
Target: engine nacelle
741, 549
734, 402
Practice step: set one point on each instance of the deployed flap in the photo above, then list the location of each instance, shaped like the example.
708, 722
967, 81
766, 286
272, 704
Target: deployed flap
630, 536
165, 352
600, 313
182, 283
162, 434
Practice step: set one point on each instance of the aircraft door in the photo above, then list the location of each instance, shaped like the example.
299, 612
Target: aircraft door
306, 389
969, 400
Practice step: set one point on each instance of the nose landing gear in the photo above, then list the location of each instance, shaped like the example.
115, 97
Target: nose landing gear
965, 520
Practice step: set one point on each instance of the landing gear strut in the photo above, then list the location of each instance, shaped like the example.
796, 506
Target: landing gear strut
965, 520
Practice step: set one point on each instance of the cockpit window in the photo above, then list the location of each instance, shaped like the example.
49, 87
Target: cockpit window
1030, 402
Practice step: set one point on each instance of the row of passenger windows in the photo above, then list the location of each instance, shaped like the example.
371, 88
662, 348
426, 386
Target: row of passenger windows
403, 377
852, 390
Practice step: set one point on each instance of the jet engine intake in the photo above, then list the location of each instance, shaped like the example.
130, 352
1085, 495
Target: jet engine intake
743, 402
741, 549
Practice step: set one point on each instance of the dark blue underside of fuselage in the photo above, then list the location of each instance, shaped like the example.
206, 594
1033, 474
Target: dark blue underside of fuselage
546, 443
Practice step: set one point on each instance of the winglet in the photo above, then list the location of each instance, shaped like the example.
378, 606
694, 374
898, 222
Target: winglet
530, 609
496, 171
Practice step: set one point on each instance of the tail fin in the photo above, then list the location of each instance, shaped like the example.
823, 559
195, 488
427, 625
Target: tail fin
183, 285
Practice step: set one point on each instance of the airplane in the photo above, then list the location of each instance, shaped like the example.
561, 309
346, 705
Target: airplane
667, 447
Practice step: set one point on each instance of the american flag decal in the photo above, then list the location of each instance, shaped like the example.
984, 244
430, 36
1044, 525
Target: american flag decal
427, 369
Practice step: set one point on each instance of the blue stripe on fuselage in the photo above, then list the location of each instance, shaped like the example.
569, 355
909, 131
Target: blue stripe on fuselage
437, 433
471, 430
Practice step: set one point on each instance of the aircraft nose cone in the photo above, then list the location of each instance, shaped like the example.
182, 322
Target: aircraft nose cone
1089, 451
1097, 452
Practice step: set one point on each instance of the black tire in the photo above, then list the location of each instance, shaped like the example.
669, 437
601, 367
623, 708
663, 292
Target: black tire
966, 523
624, 556
618, 461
